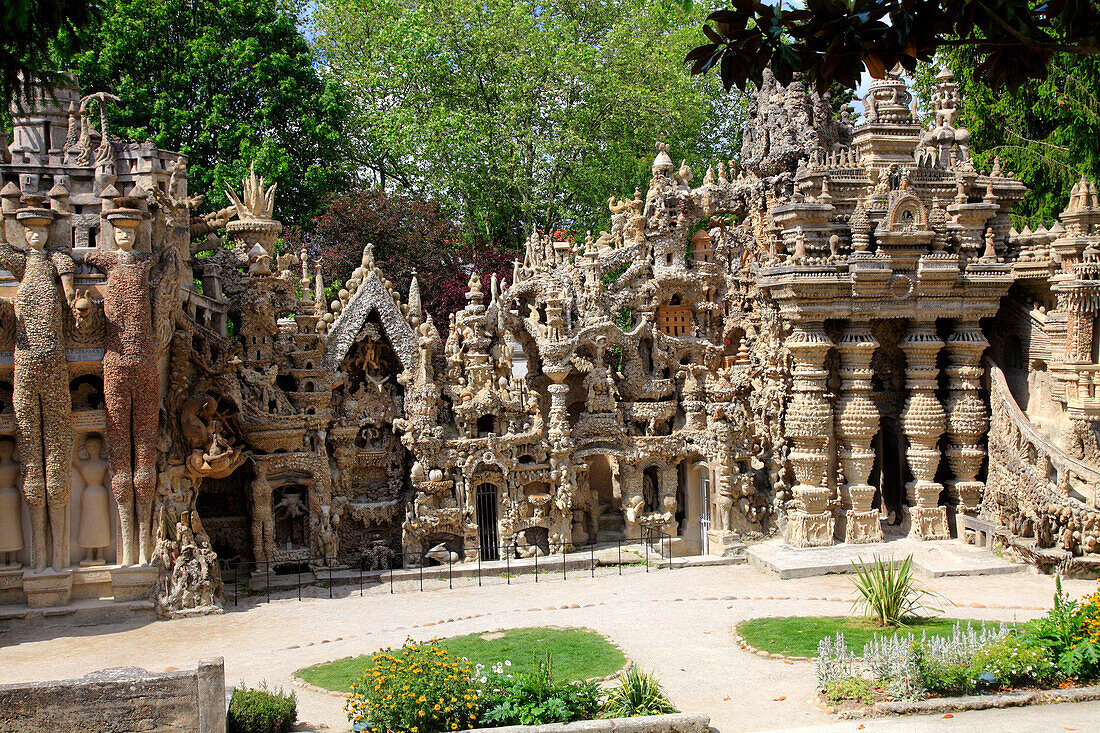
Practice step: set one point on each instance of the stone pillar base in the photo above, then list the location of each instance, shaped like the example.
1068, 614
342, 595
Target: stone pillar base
48, 588
134, 582
810, 530
722, 543
928, 523
862, 527
970, 496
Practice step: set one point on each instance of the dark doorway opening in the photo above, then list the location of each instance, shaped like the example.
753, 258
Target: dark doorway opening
487, 521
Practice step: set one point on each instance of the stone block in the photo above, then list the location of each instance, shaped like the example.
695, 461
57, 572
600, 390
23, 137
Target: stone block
134, 582
48, 588
725, 544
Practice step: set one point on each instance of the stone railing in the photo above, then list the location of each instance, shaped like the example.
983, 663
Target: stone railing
1035, 490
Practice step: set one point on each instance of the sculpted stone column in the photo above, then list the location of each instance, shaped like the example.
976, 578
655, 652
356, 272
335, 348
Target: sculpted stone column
856, 424
923, 421
808, 426
967, 417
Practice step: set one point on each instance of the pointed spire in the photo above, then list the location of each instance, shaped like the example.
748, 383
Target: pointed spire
416, 311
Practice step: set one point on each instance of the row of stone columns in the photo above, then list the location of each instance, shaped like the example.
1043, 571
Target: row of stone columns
813, 423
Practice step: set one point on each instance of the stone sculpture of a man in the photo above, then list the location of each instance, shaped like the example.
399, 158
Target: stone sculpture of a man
131, 383
41, 389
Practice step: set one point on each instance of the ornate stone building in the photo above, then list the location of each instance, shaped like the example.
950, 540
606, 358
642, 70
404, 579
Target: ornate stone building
839, 332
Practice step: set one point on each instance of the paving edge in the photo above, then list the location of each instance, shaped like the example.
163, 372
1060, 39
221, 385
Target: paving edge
761, 653
299, 682
962, 704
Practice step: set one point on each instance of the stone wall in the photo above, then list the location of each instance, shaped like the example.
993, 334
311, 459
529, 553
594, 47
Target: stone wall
121, 700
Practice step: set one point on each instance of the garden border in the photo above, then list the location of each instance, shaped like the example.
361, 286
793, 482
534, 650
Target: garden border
299, 682
670, 723
960, 704
760, 652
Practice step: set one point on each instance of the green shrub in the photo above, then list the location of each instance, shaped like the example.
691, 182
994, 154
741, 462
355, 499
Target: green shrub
420, 689
1011, 660
638, 693
849, 688
1070, 634
888, 591
260, 710
537, 698
941, 674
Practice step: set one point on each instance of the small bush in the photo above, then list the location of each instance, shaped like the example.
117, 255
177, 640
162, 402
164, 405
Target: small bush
1070, 633
849, 688
1010, 660
537, 698
888, 592
638, 693
420, 689
260, 710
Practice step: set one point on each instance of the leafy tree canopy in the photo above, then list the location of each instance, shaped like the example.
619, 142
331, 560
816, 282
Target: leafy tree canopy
1047, 131
834, 40
410, 236
27, 28
516, 113
227, 83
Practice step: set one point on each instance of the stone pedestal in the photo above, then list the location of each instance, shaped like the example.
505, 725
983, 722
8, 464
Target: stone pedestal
810, 530
48, 588
725, 544
928, 523
134, 582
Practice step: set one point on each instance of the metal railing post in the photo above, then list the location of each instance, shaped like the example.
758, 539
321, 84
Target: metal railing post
298, 573
329, 579
645, 543
267, 565
536, 563
563, 561
421, 575
391, 577
507, 566
479, 567
592, 557
450, 566
360, 577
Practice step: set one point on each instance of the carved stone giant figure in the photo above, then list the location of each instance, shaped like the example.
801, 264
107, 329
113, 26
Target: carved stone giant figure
41, 389
131, 384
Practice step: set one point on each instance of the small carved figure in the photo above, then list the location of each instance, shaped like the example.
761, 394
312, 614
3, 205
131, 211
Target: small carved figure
94, 531
11, 509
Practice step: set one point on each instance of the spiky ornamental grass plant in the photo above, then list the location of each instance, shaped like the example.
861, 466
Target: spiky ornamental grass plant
638, 693
888, 591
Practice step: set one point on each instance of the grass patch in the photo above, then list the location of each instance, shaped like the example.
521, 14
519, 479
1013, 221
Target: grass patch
798, 636
578, 654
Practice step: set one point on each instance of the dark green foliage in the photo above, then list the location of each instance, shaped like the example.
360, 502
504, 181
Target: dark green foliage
947, 678
260, 710
1068, 634
888, 592
227, 83
832, 42
638, 693
29, 27
536, 698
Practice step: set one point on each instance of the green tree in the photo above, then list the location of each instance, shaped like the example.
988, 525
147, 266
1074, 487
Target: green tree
29, 27
516, 113
227, 83
1047, 132
834, 40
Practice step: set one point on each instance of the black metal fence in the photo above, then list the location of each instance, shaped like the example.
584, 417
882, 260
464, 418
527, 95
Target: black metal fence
359, 568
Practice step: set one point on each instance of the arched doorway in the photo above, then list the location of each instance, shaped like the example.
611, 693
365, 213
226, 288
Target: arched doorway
486, 500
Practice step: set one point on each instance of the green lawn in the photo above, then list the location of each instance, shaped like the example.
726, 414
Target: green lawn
798, 636
577, 654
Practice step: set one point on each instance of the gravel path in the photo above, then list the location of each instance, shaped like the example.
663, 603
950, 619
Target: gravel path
677, 623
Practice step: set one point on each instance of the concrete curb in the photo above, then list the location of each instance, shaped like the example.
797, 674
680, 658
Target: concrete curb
961, 704
674, 723
766, 655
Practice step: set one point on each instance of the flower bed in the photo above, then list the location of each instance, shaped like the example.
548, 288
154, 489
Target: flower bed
1061, 649
423, 688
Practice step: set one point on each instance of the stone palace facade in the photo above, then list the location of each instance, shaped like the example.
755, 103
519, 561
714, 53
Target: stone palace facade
838, 332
